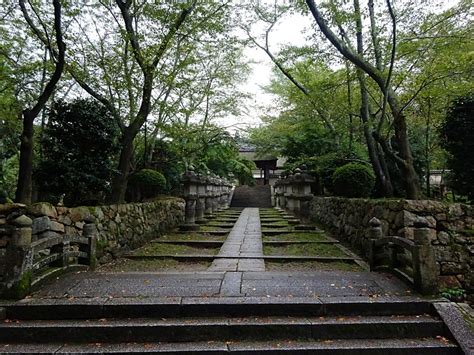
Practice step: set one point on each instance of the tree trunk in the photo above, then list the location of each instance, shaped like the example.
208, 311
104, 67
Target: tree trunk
119, 182
410, 177
405, 159
427, 150
383, 183
24, 186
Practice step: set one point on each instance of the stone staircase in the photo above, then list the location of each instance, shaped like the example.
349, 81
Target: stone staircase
252, 196
225, 325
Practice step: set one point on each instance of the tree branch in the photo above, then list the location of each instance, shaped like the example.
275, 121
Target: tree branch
50, 86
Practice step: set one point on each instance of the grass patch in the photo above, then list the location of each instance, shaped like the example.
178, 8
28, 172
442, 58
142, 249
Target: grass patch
191, 236
128, 265
311, 266
207, 228
279, 223
174, 249
220, 224
297, 237
304, 250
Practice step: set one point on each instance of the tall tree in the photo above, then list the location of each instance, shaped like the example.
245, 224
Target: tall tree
130, 70
24, 187
404, 158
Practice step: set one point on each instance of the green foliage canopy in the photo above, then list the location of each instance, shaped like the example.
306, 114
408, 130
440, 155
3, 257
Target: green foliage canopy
353, 180
79, 148
457, 137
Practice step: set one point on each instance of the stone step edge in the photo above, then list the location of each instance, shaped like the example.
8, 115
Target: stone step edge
223, 256
210, 241
151, 329
52, 309
405, 346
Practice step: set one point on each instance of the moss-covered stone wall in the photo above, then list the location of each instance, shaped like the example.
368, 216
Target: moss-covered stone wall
120, 227
451, 229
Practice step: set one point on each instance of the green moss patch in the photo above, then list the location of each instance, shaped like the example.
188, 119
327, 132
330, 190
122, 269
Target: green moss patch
154, 265
174, 249
191, 236
311, 266
276, 224
304, 250
297, 237
213, 228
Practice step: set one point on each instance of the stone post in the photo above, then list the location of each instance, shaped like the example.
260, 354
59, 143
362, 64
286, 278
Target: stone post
375, 233
190, 196
283, 186
220, 194
89, 231
226, 196
18, 260
290, 203
208, 204
295, 188
425, 270
302, 192
230, 187
215, 204
201, 200
276, 194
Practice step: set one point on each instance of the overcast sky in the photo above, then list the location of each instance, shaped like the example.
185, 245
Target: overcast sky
288, 30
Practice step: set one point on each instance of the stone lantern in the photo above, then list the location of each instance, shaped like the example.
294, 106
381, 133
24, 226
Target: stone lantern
191, 182
288, 193
301, 187
201, 199
209, 197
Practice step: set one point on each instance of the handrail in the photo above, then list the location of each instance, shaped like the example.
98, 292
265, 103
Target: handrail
33, 262
401, 242
389, 253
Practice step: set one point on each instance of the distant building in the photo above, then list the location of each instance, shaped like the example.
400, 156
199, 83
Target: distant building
269, 167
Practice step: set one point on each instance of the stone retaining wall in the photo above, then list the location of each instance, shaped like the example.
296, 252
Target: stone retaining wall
120, 227
451, 229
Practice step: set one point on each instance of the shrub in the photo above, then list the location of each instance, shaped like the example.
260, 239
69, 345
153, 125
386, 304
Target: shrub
457, 138
353, 180
79, 148
147, 183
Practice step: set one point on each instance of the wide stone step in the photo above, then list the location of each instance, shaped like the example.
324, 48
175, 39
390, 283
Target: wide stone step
256, 196
367, 346
61, 309
231, 329
281, 258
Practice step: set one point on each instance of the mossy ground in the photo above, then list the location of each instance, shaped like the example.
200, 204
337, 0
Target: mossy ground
191, 236
302, 237
276, 224
174, 249
206, 228
304, 250
154, 265
311, 266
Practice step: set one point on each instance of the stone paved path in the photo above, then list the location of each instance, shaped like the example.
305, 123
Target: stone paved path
239, 272
245, 239
90, 286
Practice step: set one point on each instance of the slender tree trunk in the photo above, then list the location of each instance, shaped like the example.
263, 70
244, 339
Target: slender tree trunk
383, 183
427, 149
24, 185
119, 182
404, 159
24, 189
349, 102
412, 183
